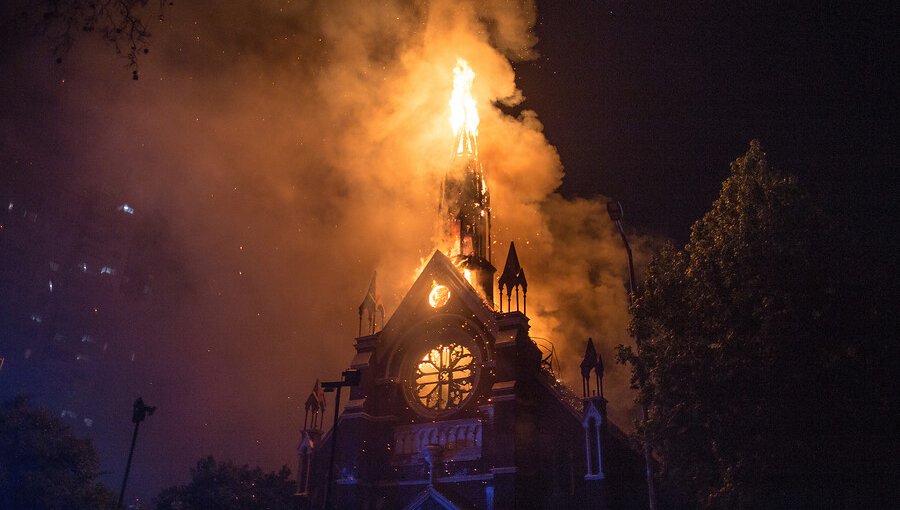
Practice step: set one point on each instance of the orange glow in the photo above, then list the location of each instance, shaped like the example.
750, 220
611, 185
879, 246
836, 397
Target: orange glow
463, 110
468, 275
443, 378
439, 296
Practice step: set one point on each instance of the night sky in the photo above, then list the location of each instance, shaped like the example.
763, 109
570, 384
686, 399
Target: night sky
650, 104
279, 153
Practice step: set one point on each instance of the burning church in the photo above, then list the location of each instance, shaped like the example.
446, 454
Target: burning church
451, 403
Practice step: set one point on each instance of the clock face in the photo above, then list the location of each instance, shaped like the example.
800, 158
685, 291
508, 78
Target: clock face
442, 378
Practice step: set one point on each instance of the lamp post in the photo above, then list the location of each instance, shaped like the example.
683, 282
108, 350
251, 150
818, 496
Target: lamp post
348, 378
615, 214
139, 414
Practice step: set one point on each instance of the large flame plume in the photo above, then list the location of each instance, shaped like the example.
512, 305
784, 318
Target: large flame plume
463, 110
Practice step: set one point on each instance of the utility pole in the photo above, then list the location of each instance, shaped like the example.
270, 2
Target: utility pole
139, 414
348, 378
615, 214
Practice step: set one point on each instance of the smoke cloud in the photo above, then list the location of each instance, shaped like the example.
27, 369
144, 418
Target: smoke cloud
293, 148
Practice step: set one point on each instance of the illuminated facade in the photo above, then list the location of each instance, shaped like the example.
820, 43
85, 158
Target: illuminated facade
455, 409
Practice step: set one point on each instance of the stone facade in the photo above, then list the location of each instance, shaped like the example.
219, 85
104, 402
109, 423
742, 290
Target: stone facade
456, 410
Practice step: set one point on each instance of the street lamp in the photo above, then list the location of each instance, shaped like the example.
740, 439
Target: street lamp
348, 378
139, 413
616, 214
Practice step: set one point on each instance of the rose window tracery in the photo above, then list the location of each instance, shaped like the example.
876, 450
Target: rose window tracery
443, 378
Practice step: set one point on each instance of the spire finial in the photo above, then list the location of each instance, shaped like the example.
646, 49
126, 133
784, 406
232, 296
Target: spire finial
315, 407
513, 277
598, 370
588, 364
371, 305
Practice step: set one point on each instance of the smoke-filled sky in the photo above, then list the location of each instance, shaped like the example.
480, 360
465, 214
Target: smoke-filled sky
294, 147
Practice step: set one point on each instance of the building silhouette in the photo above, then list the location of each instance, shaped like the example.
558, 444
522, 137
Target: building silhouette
73, 291
456, 406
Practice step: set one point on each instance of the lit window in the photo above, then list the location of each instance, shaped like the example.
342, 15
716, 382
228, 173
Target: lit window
127, 209
83, 266
107, 270
443, 378
87, 339
36, 317
51, 285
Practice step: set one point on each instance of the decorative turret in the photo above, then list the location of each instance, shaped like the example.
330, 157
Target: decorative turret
594, 415
587, 365
592, 362
371, 306
313, 421
513, 277
315, 408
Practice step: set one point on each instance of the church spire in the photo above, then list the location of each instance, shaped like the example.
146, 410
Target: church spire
372, 306
465, 204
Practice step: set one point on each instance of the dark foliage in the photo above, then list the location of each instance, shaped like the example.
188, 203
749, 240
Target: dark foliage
43, 465
767, 382
123, 24
227, 486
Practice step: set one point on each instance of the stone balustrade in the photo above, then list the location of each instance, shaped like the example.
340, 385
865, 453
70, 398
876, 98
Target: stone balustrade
460, 440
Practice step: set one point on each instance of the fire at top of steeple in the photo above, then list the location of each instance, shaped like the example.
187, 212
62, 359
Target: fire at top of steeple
463, 111
465, 203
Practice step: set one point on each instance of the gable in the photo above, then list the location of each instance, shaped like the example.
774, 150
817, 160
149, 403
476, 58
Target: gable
415, 312
431, 499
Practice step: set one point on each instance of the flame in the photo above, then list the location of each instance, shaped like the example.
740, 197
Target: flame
439, 295
463, 111
468, 276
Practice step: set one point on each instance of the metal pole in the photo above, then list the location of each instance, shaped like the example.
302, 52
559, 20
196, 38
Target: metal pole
334, 437
630, 263
648, 454
128, 466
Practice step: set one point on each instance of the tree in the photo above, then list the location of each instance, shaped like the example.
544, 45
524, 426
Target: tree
123, 24
43, 465
227, 486
761, 386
